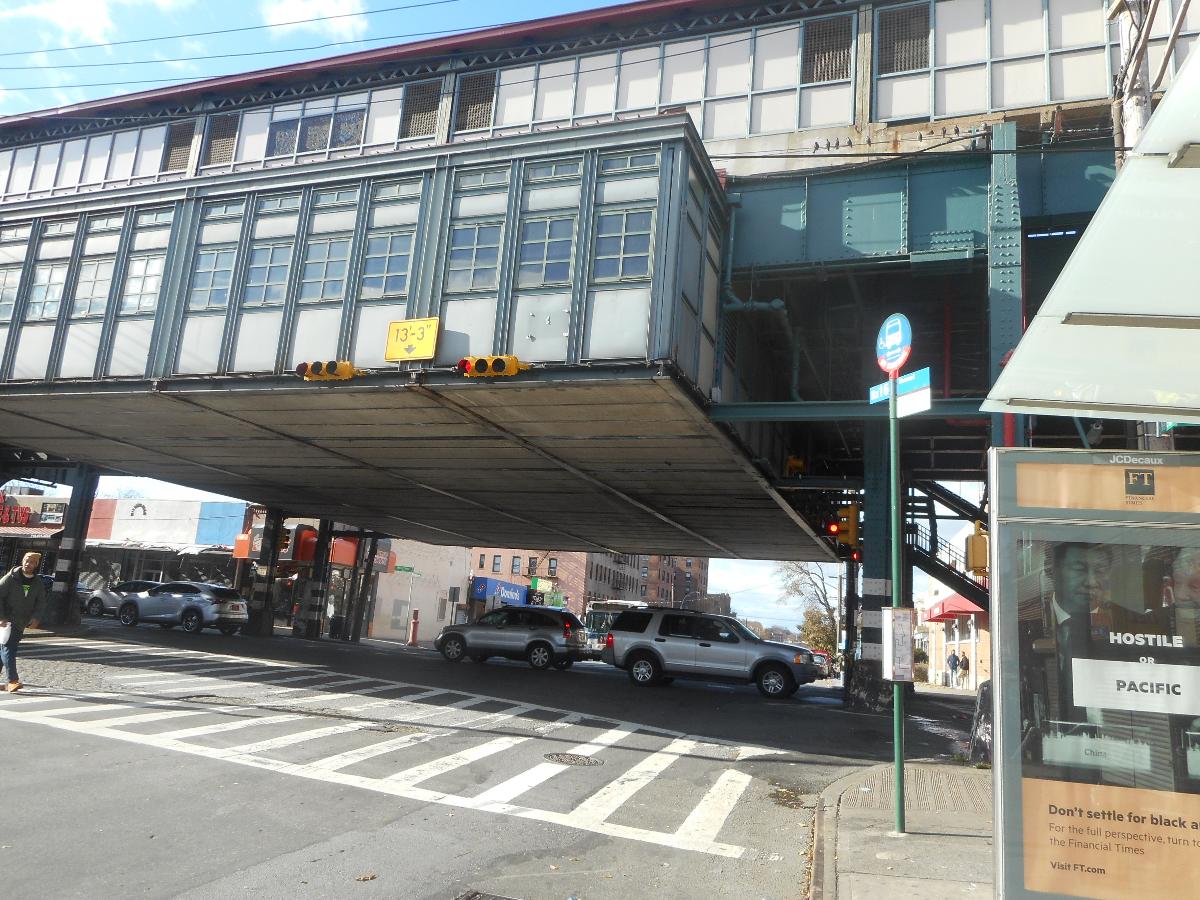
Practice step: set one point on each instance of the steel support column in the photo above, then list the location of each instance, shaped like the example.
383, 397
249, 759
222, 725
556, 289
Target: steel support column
309, 624
262, 614
1006, 309
359, 609
61, 609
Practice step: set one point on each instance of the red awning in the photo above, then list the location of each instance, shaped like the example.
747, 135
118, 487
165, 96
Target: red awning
951, 608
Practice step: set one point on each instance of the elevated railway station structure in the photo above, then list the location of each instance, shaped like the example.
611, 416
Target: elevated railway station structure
687, 218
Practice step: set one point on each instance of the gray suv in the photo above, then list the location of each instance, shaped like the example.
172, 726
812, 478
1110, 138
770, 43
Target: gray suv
655, 645
192, 604
544, 637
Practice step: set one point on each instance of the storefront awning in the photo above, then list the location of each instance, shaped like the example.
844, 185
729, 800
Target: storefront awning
1116, 337
179, 549
28, 532
951, 608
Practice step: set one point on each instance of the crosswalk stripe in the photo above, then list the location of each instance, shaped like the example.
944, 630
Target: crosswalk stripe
299, 737
138, 718
542, 772
610, 798
201, 730
704, 822
425, 771
322, 694
358, 754
70, 710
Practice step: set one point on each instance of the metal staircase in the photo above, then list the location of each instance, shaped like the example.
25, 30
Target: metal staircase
934, 555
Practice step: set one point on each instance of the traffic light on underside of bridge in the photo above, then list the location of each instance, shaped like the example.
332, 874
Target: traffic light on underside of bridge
490, 366
331, 370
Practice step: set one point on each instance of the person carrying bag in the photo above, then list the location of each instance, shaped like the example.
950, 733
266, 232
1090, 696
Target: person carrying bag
21, 594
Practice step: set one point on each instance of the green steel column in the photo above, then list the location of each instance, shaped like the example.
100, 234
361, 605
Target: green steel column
1005, 305
897, 589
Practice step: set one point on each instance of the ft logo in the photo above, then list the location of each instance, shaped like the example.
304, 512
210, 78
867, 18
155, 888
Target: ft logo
1139, 482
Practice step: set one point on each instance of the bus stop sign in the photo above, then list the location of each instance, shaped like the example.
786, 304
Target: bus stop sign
894, 343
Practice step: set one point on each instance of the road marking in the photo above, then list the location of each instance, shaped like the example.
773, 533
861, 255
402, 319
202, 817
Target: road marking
69, 710
358, 754
425, 771
322, 694
138, 718
300, 737
220, 727
519, 784
705, 822
606, 801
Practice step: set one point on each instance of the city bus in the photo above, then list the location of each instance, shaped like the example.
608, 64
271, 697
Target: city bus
599, 618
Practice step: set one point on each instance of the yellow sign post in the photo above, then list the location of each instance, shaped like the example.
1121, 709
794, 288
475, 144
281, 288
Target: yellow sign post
411, 340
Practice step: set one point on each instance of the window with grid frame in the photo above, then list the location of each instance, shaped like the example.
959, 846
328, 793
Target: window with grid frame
91, 287
10, 282
212, 275
496, 563
827, 49
143, 280
178, 148
545, 256
267, 274
474, 257
282, 136
419, 115
476, 95
386, 264
46, 291
516, 565
221, 140
903, 39
622, 247
324, 274
552, 567
532, 566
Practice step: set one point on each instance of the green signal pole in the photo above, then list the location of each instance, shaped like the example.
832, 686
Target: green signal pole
897, 687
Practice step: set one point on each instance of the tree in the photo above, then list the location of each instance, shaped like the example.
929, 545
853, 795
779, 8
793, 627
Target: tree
809, 584
816, 633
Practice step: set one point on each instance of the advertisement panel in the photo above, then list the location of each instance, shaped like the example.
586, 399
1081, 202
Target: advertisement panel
498, 593
1096, 601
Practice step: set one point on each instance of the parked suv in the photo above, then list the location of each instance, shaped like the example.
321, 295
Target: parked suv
109, 600
193, 605
656, 645
545, 637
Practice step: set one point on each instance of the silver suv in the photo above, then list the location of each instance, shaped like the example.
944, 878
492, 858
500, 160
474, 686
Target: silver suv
544, 637
193, 605
656, 645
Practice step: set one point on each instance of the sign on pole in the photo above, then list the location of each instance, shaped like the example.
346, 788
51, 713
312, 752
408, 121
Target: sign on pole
411, 340
898, 644
894, 343
913, 393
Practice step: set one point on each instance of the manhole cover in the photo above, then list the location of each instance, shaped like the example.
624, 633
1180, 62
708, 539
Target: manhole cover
572, 759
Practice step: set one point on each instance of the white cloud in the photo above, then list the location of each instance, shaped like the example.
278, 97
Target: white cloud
352, 24
80, 21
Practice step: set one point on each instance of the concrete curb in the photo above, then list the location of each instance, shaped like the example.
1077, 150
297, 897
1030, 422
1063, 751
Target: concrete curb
822, 884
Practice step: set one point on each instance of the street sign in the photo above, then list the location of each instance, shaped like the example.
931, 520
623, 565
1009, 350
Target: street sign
894, 343
411, 340
898, 644
905, 384
408, 569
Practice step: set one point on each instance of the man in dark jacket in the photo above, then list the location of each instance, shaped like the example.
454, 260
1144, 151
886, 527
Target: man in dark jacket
22, 594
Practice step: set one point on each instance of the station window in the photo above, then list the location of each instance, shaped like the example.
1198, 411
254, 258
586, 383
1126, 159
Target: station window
474, 256
552, 567
546, 251
563, 168
476, 95
496, 563
625, 161
46, 291
105, 223
15, 232
903, 39
827, 49
385, 268
143, 279
482, 178
65, 226
335, 197
10, 281
516, 565
324, 273
419, 115
223, 209
266, 275
91, 287
284, 130
622, 244
278, 203
221, 140
212, 274
178, 148
396, 190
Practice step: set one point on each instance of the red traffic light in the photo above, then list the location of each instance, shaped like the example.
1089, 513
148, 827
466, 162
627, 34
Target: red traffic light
856, 556
302, 369
833, 528
464, 365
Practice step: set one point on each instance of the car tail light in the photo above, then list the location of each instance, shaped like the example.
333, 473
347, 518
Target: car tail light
608, 641
566, 629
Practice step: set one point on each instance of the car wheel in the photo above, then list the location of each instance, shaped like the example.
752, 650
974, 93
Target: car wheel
563, 664
540, 656
453, 648
644, 669
775, 682
95, 608
193, 622
479, 657
228, 630
166, 626
128, 614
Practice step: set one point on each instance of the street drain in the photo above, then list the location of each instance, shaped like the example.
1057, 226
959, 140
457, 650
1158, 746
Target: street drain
573, 759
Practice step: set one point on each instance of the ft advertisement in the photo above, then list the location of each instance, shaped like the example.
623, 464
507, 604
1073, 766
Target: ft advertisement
1096, 558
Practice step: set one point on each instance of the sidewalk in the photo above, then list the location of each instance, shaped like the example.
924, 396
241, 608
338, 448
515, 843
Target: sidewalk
947, 852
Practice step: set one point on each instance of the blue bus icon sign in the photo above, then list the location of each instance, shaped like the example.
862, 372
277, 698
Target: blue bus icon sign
894, 343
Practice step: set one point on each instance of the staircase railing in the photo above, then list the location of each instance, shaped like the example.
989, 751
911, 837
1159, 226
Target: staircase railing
919, 537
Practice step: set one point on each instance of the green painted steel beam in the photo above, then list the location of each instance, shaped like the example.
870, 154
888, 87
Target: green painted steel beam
834, 410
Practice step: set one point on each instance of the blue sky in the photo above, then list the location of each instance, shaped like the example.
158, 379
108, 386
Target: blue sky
36, 73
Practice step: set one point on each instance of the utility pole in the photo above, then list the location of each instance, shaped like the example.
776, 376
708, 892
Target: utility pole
1132, 94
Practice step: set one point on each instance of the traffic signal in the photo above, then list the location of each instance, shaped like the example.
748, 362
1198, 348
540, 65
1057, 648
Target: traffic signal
490, 366
333, 370
847, 525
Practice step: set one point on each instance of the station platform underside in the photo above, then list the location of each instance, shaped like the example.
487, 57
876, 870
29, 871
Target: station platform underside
627, 464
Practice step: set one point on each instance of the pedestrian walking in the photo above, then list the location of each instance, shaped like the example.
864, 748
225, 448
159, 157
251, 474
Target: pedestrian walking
964, 669
22, 594
952, 667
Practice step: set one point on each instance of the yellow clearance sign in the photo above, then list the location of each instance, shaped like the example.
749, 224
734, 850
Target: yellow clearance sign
411, 340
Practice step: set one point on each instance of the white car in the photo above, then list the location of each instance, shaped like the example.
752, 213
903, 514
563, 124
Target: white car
108, 600
191, 604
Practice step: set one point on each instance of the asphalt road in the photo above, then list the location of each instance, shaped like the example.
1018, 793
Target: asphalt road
141, 762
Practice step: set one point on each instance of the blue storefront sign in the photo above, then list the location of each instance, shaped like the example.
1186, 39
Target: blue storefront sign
497, 592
